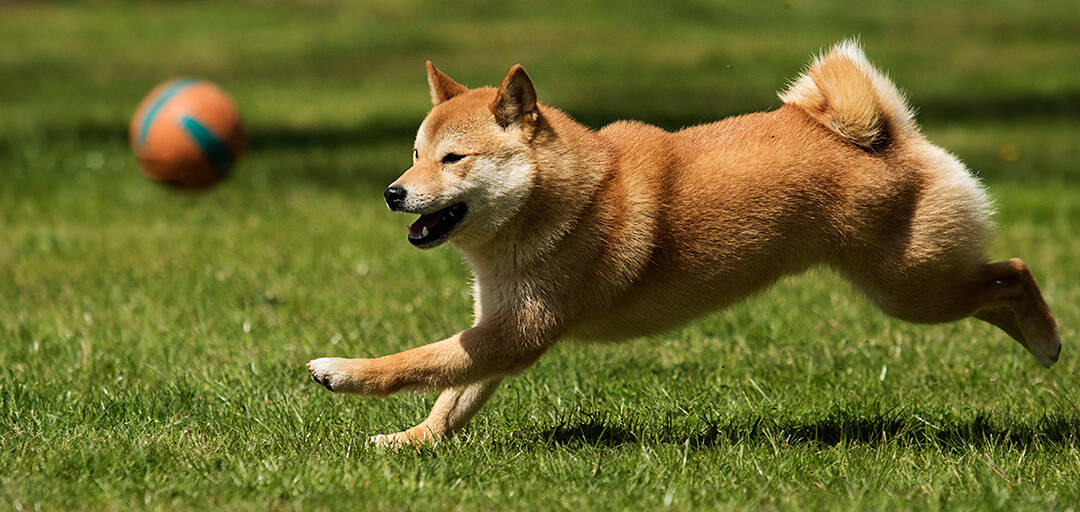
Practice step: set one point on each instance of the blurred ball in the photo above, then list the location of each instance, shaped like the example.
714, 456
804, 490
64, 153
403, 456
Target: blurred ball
187, 133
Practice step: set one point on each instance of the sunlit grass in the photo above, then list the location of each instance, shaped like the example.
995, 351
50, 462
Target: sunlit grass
153, 342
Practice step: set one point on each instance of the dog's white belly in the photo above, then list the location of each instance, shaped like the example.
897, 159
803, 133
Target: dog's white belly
627, 325
668, 300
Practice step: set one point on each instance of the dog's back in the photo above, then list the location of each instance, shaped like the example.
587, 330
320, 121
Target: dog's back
840, 175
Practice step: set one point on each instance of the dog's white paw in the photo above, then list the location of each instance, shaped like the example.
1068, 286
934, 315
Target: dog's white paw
331, 372
419, 435
383, 441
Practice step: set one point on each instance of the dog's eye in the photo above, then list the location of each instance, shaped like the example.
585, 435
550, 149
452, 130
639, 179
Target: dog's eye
415, 154
451, 158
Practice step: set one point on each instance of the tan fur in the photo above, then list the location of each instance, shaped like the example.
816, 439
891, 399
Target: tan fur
842, 91
633, 230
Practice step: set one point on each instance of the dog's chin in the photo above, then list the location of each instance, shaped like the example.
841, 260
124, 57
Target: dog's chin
432, 229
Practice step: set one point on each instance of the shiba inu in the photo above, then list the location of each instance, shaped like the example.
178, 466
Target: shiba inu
632, 230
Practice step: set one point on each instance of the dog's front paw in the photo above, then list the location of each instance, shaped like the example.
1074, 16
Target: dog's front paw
334, 373
419, 435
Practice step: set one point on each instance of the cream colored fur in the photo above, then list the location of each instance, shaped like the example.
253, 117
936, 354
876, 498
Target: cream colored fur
632, 230
843, 91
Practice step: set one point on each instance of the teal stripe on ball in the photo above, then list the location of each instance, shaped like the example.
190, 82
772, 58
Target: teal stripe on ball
148, 119
212, 147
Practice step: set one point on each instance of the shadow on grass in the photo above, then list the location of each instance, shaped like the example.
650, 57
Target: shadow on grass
908, 429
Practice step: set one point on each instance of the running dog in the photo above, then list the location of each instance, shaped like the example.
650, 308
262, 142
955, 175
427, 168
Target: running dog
632, 230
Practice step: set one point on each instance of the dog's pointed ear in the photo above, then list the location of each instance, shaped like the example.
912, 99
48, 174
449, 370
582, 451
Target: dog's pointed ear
516, 100
442, 86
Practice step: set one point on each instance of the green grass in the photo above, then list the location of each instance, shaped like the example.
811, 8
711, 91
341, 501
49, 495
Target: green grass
152, 343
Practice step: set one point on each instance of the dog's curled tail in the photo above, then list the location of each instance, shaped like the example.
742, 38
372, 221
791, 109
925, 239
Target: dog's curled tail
843, 91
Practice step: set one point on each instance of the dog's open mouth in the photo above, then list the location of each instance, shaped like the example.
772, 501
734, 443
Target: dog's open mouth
432, 228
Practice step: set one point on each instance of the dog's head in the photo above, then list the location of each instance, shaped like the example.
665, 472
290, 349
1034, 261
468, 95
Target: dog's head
473, 165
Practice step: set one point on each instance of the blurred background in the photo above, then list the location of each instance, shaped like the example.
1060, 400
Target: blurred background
315, 76
128, 308
332, 92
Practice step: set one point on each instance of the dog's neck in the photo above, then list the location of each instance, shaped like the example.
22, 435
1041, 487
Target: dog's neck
567, 153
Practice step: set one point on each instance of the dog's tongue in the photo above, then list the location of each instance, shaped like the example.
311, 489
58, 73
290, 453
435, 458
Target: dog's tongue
425, 221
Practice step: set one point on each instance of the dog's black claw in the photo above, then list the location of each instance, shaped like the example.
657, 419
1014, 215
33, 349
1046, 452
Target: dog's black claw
325, 383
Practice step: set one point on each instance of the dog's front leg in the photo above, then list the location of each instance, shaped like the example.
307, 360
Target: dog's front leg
480, 353
452, 411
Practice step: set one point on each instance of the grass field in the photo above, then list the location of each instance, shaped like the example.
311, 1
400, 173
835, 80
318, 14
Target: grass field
153, 343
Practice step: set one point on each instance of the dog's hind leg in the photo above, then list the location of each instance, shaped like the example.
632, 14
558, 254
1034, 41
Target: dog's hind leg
1012, 301
452, 411
1003, 294
1003, 318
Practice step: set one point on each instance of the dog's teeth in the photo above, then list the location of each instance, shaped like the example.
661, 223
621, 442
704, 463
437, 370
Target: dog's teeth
424, 233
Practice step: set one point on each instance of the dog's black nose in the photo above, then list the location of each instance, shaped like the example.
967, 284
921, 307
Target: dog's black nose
394, 195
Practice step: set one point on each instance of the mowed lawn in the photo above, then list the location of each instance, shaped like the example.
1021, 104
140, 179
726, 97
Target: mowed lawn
152, 343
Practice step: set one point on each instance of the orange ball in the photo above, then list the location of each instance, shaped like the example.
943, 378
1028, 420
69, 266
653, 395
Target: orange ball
187, 133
